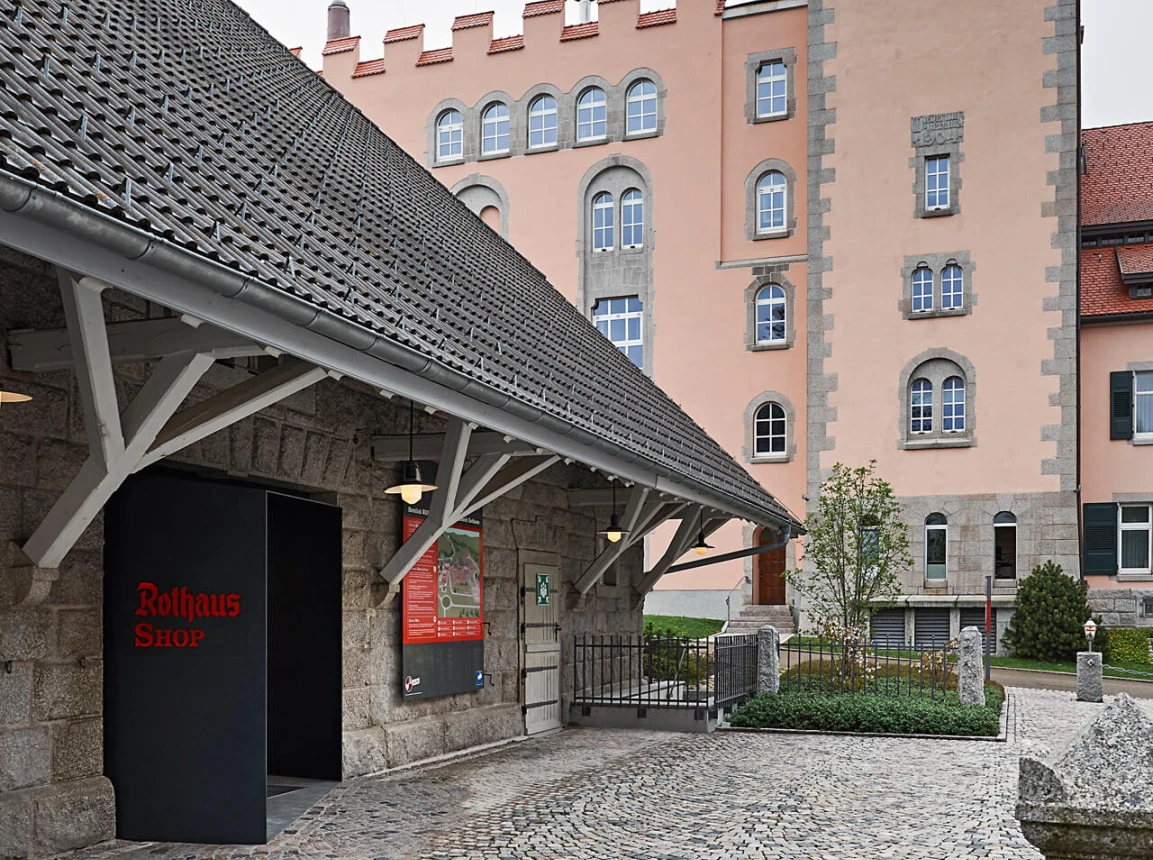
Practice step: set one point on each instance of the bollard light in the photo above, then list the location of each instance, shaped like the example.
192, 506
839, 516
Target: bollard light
1090, 631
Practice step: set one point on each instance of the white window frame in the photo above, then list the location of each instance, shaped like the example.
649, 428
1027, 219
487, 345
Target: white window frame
920, 407
922, 280
774, 414
490, 129
770, 298
633, 218
1138, 398
604, 233
953, 401
536, 112
767, 76
587, 127
603, 320
937, 166
952, 288
942, 527
1146, 527
647, 101
449, 135
768, 187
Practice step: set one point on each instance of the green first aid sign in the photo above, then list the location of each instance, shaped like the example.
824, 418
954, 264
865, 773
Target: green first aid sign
543, 589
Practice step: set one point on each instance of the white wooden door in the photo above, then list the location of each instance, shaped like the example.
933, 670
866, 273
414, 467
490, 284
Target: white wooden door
541, 649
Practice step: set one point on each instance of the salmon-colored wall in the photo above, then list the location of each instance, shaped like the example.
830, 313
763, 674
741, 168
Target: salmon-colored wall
1111, 466
896, 60
698, 168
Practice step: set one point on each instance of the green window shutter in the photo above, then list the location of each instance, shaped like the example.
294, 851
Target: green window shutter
1100, 543
1121, 405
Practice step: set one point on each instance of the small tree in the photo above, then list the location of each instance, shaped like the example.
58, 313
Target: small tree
857, 545
1051, 611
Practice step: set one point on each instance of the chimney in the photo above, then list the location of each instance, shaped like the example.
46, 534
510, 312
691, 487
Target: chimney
584, 9
339, 21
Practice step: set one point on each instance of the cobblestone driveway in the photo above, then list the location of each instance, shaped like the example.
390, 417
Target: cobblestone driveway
729, 796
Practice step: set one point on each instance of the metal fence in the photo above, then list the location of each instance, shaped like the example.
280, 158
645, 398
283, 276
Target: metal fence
878, 666
664, 671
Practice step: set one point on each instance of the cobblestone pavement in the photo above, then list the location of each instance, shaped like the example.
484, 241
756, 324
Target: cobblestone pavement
596, 794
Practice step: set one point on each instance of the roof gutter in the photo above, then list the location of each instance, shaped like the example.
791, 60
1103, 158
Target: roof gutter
55, 210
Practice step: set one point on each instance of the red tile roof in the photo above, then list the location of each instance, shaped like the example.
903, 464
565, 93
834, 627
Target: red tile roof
403, 34
431, 58
509, 43
1102, 291
339, 46
1117, 187
464, 22
543, 7
368, 67
578, 31
1135, 260
295, 51
655, 19
720, 7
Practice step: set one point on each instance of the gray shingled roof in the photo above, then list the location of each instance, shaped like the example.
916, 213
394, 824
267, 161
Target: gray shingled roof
186, 119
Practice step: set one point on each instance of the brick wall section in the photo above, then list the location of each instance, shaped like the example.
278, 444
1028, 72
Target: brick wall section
53, 796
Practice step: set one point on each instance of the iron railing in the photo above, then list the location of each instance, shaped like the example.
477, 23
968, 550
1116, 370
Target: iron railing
735, 670
878, 666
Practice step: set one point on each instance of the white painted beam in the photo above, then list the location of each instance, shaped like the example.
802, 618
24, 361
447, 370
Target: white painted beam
678, 546
428, 446
443, 505
511, 477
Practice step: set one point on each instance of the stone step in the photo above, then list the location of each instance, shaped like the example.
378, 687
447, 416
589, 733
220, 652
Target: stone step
739, 626
759, 611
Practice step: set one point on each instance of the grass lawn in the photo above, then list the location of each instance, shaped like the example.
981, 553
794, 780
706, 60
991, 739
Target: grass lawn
1071, 667
678, 625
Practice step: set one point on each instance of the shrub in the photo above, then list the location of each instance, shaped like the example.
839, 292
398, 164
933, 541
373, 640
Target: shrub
1125, 645
864, 712
1051, 609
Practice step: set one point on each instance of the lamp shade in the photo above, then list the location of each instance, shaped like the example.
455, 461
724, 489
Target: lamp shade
412, 484
701, 547
614, 532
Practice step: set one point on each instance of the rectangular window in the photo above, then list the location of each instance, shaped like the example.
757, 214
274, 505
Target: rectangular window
772, 89
1005, 551
622, 321
1143, 397
1135, 548
936, 551
937, 182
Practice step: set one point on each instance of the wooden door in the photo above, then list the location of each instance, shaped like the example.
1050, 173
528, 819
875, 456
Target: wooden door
541, 649
770, 578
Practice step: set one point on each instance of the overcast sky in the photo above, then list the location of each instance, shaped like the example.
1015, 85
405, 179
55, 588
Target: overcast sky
1115, 75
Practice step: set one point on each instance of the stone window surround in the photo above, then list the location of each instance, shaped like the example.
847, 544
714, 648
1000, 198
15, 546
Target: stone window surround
748, 449
753, 64
937, 263
621, 271
778, 278
480, 181
616, 110
906, 441
941, 145
751, 200
1139, 367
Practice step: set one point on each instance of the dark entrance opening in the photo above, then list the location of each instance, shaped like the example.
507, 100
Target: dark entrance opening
222, 624
769, 582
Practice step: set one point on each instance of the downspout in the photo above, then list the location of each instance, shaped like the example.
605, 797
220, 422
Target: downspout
1077, 429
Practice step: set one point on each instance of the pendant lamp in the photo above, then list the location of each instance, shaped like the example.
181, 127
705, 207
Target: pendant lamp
412, 484
614, 532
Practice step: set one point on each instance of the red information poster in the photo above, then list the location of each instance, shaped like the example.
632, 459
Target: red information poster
444, 590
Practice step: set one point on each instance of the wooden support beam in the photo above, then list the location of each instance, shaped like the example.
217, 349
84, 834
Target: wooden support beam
735, 555
428, 446
613, 551
679, 545
511, 477
588, 498
132, 342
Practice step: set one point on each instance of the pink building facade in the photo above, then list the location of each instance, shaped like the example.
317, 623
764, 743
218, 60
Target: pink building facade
794, 216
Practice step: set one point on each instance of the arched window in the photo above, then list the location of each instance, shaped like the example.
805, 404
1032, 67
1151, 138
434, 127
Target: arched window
592, 115
952, 288
542, 122
642, 108
936, 546
921, 406
922, 290
771, 313
1005, 546
770, 430
772, 89
449, 136
771, 209
603, 222
494, 129
953, 405
632, 219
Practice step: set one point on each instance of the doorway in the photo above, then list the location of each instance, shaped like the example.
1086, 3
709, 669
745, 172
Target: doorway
541, 649
769, 579
222, 625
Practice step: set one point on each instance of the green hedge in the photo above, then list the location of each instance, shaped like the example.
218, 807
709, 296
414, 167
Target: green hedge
863, 712
1127, 645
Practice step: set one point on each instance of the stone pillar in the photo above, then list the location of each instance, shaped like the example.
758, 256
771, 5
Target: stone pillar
1089, 676
1095, 802
768, 660
970, 668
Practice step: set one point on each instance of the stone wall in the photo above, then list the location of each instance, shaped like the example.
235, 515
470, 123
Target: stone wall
1121, 607
53, 796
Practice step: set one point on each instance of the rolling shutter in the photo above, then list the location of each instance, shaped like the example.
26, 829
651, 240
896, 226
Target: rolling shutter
1121, 405
888, 627
931, 628
1100, 542
974, 616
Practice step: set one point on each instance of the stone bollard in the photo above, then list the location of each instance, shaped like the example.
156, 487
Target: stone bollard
1094, 802
1089, 685
970, 668
768, 660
